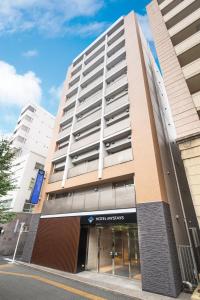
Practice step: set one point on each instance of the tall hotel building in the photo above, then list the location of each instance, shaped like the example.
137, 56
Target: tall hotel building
110, 177
176, 30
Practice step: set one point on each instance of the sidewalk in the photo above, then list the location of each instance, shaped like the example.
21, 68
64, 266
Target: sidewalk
125, 286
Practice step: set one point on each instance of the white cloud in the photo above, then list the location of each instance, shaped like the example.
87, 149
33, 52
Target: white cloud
90, 29
18, 89
145, 26
56, 91
30, 53
49, 16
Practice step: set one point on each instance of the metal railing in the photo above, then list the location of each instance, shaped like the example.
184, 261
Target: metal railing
187, 267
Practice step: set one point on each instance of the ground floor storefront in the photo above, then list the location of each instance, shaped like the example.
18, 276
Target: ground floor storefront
126, 243
110, 246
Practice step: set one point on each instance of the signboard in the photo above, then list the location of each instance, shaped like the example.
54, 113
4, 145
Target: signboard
109, 219
37, 187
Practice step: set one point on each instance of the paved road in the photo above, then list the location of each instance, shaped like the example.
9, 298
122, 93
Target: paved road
19, 282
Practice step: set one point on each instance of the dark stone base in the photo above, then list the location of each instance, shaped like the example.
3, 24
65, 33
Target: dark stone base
30, 239
158, 253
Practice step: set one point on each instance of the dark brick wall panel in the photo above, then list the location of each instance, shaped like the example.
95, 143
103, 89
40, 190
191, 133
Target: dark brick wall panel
159, 258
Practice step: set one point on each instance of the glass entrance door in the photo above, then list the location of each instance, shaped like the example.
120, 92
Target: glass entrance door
116, 250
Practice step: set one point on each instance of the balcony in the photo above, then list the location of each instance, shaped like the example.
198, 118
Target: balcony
191, 69
85, 141
117, 127
69, 103
177, 9
111, 88
60, 153
119, 53
187, 44
64, 133
117, 68
182, 14
164, 3
82, 157
184, 23
95, 48
91, 88
118, 157
74, 80
116, 45
95, 55
82, 168
73, 89
90, 76
196, 100
83, 106
92, 64
76, 72
115, 35
88, 120
66, 117
122, 101
58, 176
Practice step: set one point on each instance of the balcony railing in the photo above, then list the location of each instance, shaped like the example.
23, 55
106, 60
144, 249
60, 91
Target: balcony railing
119, 66
118, 157
56, 177
92, 62
83, 168
117, 42
116, 104
85, 141
196, 99
89, 77
115, 33
62, 134
88, 120
91, 86
117, 127
116, 84
67, 116
184, 23
89, 101
119, 52
190, 42
191, 69
77, 159
60, 153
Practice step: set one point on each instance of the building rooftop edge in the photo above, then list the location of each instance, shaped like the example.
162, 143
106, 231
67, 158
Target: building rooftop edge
100, 36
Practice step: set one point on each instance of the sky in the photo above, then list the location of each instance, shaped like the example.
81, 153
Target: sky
38, 41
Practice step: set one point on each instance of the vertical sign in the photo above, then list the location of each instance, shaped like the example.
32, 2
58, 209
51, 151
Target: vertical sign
37, 187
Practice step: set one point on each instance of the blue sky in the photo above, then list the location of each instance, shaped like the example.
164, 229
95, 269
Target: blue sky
38, 41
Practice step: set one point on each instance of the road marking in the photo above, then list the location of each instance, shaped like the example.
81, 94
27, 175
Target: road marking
56, 284
5, 266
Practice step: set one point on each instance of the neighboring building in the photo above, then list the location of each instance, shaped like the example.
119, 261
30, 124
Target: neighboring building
30, 141
176, 30
110, 177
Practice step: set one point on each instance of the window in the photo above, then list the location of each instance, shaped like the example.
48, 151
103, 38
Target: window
21, 139
25, 128
39, 166
31, 184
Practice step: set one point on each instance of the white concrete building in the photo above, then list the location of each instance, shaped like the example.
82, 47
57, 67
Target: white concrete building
30, 139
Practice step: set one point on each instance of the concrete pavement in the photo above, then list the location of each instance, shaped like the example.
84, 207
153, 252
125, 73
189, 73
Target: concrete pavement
20, 282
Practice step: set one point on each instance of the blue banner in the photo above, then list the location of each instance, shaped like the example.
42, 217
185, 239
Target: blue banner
37, 187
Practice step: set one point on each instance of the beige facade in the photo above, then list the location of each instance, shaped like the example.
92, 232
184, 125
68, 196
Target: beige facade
97, 142
176, 30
